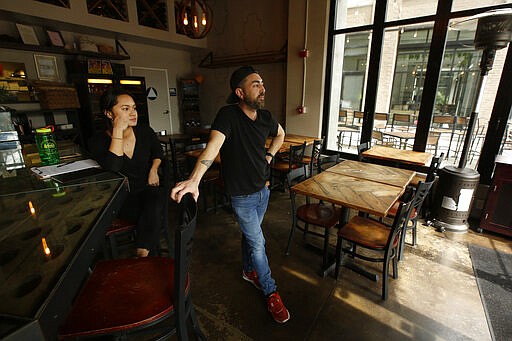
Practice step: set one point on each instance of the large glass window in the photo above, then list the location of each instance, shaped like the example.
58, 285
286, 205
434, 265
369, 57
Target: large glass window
349, 80
401, 78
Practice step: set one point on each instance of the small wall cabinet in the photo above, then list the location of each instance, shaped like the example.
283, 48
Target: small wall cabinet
497, 215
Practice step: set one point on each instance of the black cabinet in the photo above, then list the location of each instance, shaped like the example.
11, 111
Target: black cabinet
497, 215
189, 105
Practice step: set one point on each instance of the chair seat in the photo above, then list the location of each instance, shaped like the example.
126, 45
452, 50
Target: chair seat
122, 294
365, 232
319, 214
392, 211
120, 225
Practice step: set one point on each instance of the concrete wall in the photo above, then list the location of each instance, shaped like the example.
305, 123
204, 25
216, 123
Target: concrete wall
315, 40
240, 28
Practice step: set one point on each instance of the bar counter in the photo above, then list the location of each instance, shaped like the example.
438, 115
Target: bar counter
50, 234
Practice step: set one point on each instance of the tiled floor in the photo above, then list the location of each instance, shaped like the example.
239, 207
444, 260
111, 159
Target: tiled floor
435, 297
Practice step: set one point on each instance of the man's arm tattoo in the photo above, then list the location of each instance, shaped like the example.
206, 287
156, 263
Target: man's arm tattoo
207, 163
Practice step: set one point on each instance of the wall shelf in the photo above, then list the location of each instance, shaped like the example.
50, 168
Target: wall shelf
63, 51
212, 62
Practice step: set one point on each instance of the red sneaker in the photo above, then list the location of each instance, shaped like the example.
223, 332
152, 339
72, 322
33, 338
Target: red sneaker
251, 277
277, 308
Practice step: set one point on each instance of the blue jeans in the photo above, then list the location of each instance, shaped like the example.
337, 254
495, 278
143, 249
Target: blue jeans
249, 211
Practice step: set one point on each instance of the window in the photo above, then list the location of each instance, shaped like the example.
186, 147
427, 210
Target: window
395, 102
113, 9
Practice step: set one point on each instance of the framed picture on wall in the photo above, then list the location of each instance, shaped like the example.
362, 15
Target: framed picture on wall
46, 67
27, 34
55, 38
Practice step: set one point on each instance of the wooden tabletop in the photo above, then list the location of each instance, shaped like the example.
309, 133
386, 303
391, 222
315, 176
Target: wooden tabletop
351, 192
299, 139
399, 155
197, 152
369, 171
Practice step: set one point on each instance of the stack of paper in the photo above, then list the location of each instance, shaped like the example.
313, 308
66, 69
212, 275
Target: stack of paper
45, 172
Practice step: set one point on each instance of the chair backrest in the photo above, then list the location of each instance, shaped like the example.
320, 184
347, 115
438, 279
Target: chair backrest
316, 151
439, 121
295, 176
401, 118
296, 156
342, 116
434, 167
182, 256
329, 159
398, 226
380, 120
358, 117
361, 148
418, 198
377, 135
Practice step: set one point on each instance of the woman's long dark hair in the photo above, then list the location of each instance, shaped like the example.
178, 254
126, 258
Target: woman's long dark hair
107, 102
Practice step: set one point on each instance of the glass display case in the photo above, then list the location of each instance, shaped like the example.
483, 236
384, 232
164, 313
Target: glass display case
51, 236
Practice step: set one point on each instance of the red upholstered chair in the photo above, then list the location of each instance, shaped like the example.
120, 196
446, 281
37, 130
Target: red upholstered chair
139, 295
362, 232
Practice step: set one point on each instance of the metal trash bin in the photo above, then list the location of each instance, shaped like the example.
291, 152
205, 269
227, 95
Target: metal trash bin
455, 192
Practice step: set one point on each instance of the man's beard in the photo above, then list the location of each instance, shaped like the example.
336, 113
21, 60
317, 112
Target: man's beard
254, 104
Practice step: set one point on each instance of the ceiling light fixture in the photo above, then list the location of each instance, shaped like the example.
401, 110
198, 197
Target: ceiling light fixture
194, 18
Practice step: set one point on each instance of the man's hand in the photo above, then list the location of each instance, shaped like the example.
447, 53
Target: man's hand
184, 187
153, 178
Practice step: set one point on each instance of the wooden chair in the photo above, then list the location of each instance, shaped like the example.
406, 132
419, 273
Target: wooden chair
375, 236
121, 234
379, 139
132, 296
421, 192
280, 167
400, 122
358, 118
380, 121
317, 214
312, 162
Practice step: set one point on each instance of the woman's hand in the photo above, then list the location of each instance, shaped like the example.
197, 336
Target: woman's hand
153, 178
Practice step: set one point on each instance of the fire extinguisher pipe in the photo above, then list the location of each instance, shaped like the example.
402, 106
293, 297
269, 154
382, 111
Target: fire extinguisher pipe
304, 63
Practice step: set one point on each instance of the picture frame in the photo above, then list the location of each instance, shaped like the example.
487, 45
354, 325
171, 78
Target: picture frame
46, 67
94, 66
106, 67
27, 34
56, 38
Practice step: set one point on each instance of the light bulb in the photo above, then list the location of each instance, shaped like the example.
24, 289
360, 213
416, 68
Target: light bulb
195, 21
185, 20
203, 20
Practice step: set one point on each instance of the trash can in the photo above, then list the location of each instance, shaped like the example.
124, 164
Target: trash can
455, 192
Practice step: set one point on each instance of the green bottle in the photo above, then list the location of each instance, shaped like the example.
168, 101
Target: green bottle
47, 147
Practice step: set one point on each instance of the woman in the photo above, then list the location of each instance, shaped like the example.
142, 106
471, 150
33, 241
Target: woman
134, 151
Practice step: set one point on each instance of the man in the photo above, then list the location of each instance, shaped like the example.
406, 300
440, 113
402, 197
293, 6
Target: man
239, 132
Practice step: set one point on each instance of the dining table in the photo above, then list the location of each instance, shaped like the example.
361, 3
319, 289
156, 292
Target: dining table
398, 155
368, 188
402, 136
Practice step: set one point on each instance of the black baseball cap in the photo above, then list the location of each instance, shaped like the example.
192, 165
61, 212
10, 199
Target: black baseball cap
236, 78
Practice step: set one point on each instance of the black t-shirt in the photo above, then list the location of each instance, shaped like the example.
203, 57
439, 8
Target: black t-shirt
244, 167
147, 148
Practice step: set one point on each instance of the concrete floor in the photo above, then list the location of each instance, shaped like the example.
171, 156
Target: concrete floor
435, 297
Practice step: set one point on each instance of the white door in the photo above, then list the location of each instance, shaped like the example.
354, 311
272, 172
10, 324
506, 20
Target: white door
159, 108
